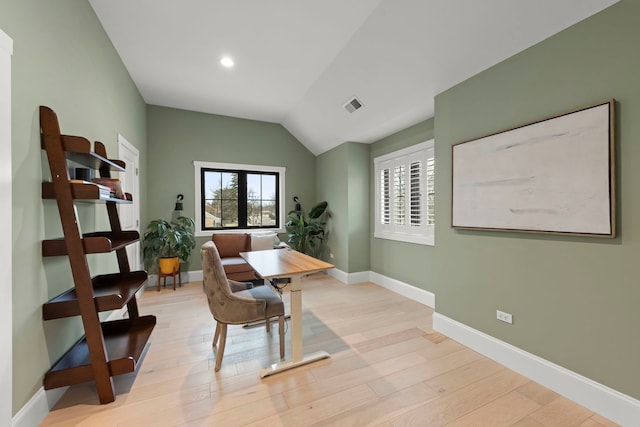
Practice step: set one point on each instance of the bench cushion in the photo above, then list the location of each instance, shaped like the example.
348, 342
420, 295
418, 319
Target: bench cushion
235, 265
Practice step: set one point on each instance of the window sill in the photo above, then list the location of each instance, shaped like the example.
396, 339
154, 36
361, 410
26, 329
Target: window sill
208, 233
419, 240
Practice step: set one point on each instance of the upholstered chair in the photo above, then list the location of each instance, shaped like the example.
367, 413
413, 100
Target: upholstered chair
236, 308
229, 247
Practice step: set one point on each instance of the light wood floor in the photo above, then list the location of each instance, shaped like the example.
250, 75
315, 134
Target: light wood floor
387, 368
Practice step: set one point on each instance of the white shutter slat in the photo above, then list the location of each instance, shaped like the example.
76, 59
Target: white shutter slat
430, 171
416, 193
398, 195
385, 197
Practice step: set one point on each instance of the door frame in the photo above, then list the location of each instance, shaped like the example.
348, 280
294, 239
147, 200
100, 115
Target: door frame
124, 144
6, 266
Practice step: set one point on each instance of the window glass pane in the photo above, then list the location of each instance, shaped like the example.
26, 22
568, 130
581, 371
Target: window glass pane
229, 199
212, 208
221, 199
268, 187
268, 213
254, 213
254, 194
269, 200
254, 191
210, 219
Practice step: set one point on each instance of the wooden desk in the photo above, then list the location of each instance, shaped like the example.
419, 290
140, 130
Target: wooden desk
276, 263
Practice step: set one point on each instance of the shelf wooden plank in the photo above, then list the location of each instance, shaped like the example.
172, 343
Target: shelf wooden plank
81, 191
78, 149
94, 161
130, 344
124, 340
111, 292
93, 243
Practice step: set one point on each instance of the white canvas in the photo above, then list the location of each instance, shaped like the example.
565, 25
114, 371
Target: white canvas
549, 176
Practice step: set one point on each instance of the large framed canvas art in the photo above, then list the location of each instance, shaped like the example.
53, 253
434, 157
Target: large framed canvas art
555, 175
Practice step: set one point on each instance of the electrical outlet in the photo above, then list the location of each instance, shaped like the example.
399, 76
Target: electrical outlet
505, 317
331, 256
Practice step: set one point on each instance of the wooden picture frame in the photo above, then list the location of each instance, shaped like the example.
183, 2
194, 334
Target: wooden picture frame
555, 175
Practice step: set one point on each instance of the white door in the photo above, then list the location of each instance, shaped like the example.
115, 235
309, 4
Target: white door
6, 363
130, 213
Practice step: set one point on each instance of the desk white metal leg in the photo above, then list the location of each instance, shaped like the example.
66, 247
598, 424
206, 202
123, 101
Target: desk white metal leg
297, 357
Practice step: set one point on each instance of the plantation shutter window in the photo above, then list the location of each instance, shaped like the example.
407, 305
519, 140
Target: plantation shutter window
405, 194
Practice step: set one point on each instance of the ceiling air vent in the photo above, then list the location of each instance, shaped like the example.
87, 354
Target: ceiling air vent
353, 104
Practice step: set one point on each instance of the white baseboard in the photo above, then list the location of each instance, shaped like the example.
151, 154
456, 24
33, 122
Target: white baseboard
192, 276
609, 403
37, 408
185, 277
349, 278
412, 292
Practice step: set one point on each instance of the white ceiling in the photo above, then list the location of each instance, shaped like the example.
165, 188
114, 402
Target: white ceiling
298, 61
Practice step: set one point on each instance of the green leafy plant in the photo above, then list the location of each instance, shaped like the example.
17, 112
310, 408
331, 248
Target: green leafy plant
306, 232
164, 239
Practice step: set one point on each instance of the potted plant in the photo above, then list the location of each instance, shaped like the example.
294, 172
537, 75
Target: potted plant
306, 232
165, 244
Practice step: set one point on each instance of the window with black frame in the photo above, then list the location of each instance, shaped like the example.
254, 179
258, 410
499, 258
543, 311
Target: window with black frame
239, 199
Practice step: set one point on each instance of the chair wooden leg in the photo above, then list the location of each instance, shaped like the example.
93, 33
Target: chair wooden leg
223, 340
267, 324
281, 333
216, 335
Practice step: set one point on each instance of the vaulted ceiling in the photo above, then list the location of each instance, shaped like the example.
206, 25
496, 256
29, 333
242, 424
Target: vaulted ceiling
297, 62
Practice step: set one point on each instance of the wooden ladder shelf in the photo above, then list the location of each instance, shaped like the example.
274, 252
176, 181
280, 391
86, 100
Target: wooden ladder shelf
107, 348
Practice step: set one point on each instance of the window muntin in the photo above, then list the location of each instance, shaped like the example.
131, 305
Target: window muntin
405, 194
234, 197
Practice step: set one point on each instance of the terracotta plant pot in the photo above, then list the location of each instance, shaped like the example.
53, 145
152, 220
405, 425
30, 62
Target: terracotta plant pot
168, 265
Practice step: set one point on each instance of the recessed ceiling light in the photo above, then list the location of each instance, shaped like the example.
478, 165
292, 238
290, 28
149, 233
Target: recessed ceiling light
226, 61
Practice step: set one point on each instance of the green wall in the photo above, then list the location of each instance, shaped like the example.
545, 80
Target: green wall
342, 179
331, 185
574, 299
408, 262
63, 59
178, 137
359, 206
